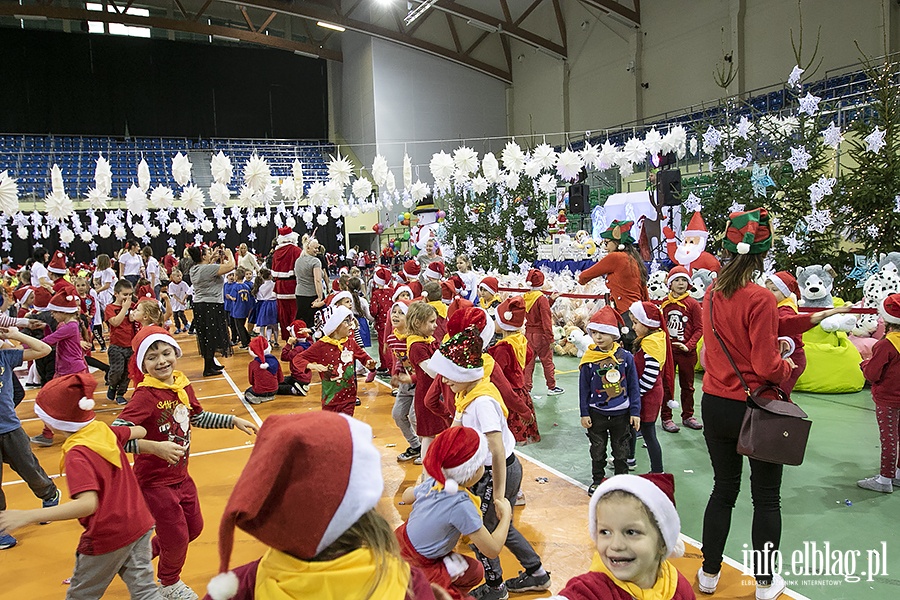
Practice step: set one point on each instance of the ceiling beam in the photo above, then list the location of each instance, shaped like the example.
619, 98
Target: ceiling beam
612, 7
76, 14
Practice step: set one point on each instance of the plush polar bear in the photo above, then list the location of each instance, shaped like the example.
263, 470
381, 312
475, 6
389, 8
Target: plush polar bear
581, 340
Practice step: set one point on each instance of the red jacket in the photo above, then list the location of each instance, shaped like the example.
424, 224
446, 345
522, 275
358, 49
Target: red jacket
539, 319
339, 382
748, 324
883, 372
380, 306
623, 278
264, 381
793, 325
651, 401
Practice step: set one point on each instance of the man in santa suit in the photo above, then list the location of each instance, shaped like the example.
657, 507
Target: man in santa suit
286, 253
691, 252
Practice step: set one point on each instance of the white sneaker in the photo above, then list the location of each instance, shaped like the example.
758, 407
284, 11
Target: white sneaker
770, 592
178, 591
520, 499
707, 583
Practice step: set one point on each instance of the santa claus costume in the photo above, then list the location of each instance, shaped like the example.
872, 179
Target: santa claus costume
684, 320
283, 259
539, 332
263, 372
380, 306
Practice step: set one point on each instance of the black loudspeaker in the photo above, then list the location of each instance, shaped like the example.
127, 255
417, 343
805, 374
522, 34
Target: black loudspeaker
578, 198
668, 185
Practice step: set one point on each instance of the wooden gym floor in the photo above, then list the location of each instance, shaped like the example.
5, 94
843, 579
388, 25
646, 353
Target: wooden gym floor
554, 519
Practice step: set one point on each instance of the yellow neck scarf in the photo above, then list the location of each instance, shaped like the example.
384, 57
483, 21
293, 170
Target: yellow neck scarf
280, 576
790, 302
654, 344
530, 298
440, 307
399, 336
894, 338
439, 487
483, 388
519, 345
670, 299
486, 304
413, 338
664, 588
181, 382
595, 354
96, 437
330, 340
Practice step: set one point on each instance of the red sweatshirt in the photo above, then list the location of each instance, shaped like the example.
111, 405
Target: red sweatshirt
264, 381
380, 306
339, 382
598, 586
684, 320
748, 324
883, 372
623, 278
539, 319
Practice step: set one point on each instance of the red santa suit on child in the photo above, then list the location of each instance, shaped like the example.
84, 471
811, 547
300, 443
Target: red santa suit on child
791, 325
691, 253
539, 332
283, 259
263, 372
411, 270
683, 317
511, 353
380, 306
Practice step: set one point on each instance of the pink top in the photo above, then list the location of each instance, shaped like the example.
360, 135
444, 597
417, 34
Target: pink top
69, 354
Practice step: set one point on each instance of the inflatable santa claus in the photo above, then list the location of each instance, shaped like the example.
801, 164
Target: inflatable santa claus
286, 253
691, 252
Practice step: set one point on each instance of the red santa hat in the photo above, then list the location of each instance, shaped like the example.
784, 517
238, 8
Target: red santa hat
786, 284
411, 269
490, 284
296, 328
400, 290
147, 297
458, 303
66, 403
322, 461
41, 298
435, 270
57, 263
889, 309
448, 290
677, 272
146, 337
656, 491
535, 278
286, 235
343, 271
459, 358
511, 314
331, 317
403, 304
333, 299
696, 227
458, 282
22, 295
382, 276
473, 315
646, 313
607, 320
455, 456
259, 347
65, 302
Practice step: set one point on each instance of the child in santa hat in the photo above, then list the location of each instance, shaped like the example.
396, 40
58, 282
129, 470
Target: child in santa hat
489, 295
684, 321
539, 332
479, 405
636, 529
121, 334
421, 322
263, 372
403, 412
297, 383
338, 546
441, 515
609, 395
380, 303
411, 270
13, 439
345, 298
511, 354
883, 372
165, 404
333, 356
654, 365
106, 497
431, 293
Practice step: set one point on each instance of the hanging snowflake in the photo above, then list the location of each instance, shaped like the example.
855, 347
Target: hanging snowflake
692, 203
794, 77
809, 104
513, 158
818, 221
760, 179
799, 158
711, 139
743, 128
873, 231
832, 136
821, 188
529, 225
875, 140
736, 207
733, 163
791, 243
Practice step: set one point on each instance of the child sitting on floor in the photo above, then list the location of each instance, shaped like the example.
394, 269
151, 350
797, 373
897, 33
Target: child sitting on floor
635, 529
263, 372
441, 515
297, 383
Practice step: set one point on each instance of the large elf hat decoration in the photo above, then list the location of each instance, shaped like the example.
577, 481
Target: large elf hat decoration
748, 232
619, 231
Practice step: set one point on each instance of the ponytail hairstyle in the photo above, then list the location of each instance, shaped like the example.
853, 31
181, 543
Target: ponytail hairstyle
354, 286
738, 272
261, 277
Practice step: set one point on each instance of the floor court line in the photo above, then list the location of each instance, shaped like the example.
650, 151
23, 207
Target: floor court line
240, 395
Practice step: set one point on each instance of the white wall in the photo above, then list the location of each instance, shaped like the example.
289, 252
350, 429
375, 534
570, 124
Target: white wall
357, 96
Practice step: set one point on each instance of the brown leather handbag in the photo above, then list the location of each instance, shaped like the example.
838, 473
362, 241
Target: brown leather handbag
774, 429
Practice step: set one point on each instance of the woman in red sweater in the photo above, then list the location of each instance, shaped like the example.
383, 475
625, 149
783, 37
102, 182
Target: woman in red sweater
746, 318
626, 273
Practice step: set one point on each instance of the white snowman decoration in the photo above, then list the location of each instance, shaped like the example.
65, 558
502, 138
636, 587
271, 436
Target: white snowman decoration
426, 227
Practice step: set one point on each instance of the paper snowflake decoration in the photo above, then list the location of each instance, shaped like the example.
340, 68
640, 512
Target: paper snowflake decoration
809, 104
138, 230
103, 175
322, 219
693, 146
59, 206
511, 180
206, 225
873, 231
760, 180
529, 225
711, 139
153, 231
86, 237
104, 231
9, 194
832, 135
799, 158
362, 188
569, 165
736, 207
743, 128
162, 197
653, 141
479, 185
257, 173
143, 174
818, 221
22, 232
607, 157
56, 181
221, 168
490, 167
532, 169
897, 203
821, 188
692, 203
794, 77
407, 171
626, 169
66, 237
634, 152
513, 157
675, 141
192, 198
791, 243
135, 200
547, 184
733, 163
875, 140
181, 169
465, 159
442, 166
418, 191
173, 228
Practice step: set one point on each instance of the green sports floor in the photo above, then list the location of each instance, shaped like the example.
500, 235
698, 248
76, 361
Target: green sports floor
821, 503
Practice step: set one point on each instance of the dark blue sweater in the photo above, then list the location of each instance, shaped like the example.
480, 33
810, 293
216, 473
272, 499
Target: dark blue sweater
594, 389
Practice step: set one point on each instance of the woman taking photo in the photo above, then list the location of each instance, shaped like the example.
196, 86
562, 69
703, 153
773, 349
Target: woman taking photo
210, 323
746, 319
626, 273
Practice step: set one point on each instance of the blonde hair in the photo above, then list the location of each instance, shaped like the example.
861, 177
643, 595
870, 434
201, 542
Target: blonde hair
418, 314
103, 262
623, 495
153, 312
371, 531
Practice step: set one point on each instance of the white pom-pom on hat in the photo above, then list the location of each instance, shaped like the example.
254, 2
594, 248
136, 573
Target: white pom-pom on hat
86, 403
673, 404
264, 365
743, 248
508, 315
621, 246
223, 586
450, 486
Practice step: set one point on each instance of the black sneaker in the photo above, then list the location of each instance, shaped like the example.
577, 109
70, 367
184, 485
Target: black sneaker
528, 583
409, 454
358, 402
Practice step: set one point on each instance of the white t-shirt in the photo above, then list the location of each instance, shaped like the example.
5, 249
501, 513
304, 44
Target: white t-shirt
266, 291
106, 276
485, 415
179, 290
38, 272
131, 263
152, 270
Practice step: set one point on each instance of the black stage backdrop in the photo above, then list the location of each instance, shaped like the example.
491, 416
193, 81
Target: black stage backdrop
81, 84
330, 235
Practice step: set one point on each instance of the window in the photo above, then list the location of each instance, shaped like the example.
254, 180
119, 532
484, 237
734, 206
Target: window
118, 28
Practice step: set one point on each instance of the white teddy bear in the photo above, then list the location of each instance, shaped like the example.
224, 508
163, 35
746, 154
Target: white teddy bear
581, 340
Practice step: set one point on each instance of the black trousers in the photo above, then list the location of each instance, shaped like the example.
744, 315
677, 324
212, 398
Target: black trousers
722, 420
609, 429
